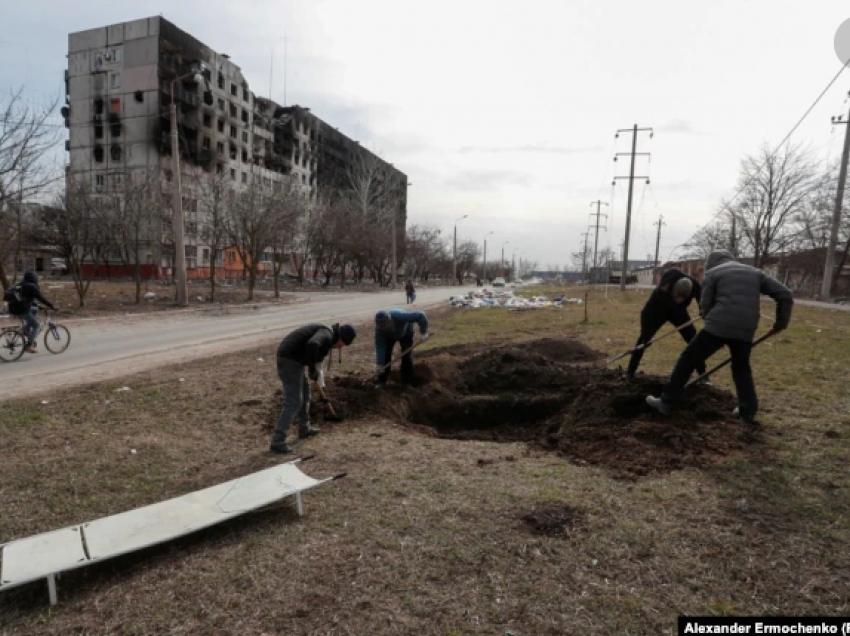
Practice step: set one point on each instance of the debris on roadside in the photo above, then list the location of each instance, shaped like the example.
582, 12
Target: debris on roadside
507, 300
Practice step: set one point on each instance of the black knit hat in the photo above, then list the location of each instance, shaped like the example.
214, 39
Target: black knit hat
348, 334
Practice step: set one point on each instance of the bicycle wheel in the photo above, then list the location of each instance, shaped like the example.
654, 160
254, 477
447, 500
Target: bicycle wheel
12, 345
56, 338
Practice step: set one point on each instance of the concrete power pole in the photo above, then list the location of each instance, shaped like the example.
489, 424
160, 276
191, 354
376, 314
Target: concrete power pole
177, 209
634, 130
584, 256
597, 214
659, 223
826, 286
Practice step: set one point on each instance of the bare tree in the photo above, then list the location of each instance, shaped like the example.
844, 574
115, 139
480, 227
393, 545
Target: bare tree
26, 136
425, 249
467, 256
712, 237
215, 198
72, 228
776, 186
251, 227
289, 205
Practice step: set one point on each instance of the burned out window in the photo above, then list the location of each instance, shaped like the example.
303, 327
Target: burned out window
245, 136
234, 112
139, 96
245, 116
221, 104
220, 81
206, 143
98, 106
233, 174
221, 125
233, 131
220, 147
244, 177
244, 156
246, 96
233, 89
207, 120
219, 168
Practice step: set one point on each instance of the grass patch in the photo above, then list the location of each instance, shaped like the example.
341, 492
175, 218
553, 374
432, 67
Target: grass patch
432, 536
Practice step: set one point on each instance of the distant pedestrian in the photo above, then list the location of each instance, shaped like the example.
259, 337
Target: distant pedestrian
731, 306
410, 291
668, 303
306, 347
392, 326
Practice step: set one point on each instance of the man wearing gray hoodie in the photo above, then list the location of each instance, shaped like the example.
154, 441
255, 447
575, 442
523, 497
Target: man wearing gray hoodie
730, 305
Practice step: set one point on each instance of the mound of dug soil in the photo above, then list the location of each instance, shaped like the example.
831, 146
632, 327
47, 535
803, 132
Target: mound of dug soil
551, 392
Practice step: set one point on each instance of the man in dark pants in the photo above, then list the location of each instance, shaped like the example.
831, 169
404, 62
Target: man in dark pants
668, 303
392, 326
305, 347
410, 291
730, 304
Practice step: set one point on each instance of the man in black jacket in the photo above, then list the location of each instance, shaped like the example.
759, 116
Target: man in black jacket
731, 307
305, 347
668, 303
21, 298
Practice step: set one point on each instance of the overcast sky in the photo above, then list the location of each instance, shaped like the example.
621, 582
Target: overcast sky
507, 111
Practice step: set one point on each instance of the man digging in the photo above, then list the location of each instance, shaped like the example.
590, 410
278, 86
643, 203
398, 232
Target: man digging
306, 347
731, 297
668, 303
392, 326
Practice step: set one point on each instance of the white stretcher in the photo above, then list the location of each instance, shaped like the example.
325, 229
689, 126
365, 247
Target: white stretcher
43, 556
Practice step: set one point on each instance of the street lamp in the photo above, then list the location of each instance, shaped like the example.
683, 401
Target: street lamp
454, 252
177, 198
485, 255
502, 263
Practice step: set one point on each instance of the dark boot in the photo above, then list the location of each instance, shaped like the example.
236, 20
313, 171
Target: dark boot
280, 448
309, 431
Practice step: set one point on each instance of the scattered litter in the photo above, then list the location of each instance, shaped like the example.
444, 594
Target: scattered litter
507, 300
260, 360
149, 296
182, 380
45, 401
199, 298
132, 451
817, 330
55, 287
123, 388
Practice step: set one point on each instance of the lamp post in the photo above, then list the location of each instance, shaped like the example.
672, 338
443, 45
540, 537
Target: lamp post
395, 239
502, 263
177, 198
485, 255
454, 252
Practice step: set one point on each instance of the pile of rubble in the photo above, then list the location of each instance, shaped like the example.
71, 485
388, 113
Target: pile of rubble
507, 300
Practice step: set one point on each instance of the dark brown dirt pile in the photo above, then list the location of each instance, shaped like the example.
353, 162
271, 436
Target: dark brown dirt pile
552, 393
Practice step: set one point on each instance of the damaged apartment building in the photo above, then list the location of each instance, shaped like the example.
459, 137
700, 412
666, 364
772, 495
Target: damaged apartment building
120, 83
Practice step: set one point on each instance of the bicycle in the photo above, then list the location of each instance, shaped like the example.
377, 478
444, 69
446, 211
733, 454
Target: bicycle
13, 340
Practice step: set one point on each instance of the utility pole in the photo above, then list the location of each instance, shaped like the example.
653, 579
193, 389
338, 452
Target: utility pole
634, 130
454, 252
597, 214
177, 208
584, 256
826, 286
659, 223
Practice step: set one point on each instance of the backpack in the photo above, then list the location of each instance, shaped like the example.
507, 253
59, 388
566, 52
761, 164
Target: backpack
14, 294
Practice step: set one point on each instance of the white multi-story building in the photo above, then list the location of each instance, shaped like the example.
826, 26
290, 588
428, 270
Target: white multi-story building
120, 83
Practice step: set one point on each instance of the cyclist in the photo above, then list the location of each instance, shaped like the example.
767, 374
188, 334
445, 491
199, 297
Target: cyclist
21, 299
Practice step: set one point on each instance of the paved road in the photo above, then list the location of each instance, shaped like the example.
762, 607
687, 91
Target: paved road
111, 347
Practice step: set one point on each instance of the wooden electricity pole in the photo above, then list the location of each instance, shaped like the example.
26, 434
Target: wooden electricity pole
634, 130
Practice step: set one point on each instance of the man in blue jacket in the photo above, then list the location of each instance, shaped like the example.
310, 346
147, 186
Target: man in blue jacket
392, 326
730, 305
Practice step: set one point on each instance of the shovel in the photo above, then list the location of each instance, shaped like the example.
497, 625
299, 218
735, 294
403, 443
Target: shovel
334, 416
727, 361
644, 346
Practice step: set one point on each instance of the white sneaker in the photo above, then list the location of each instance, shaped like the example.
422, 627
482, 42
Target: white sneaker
658, 405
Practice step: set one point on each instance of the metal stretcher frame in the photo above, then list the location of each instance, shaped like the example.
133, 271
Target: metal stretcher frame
46, 555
